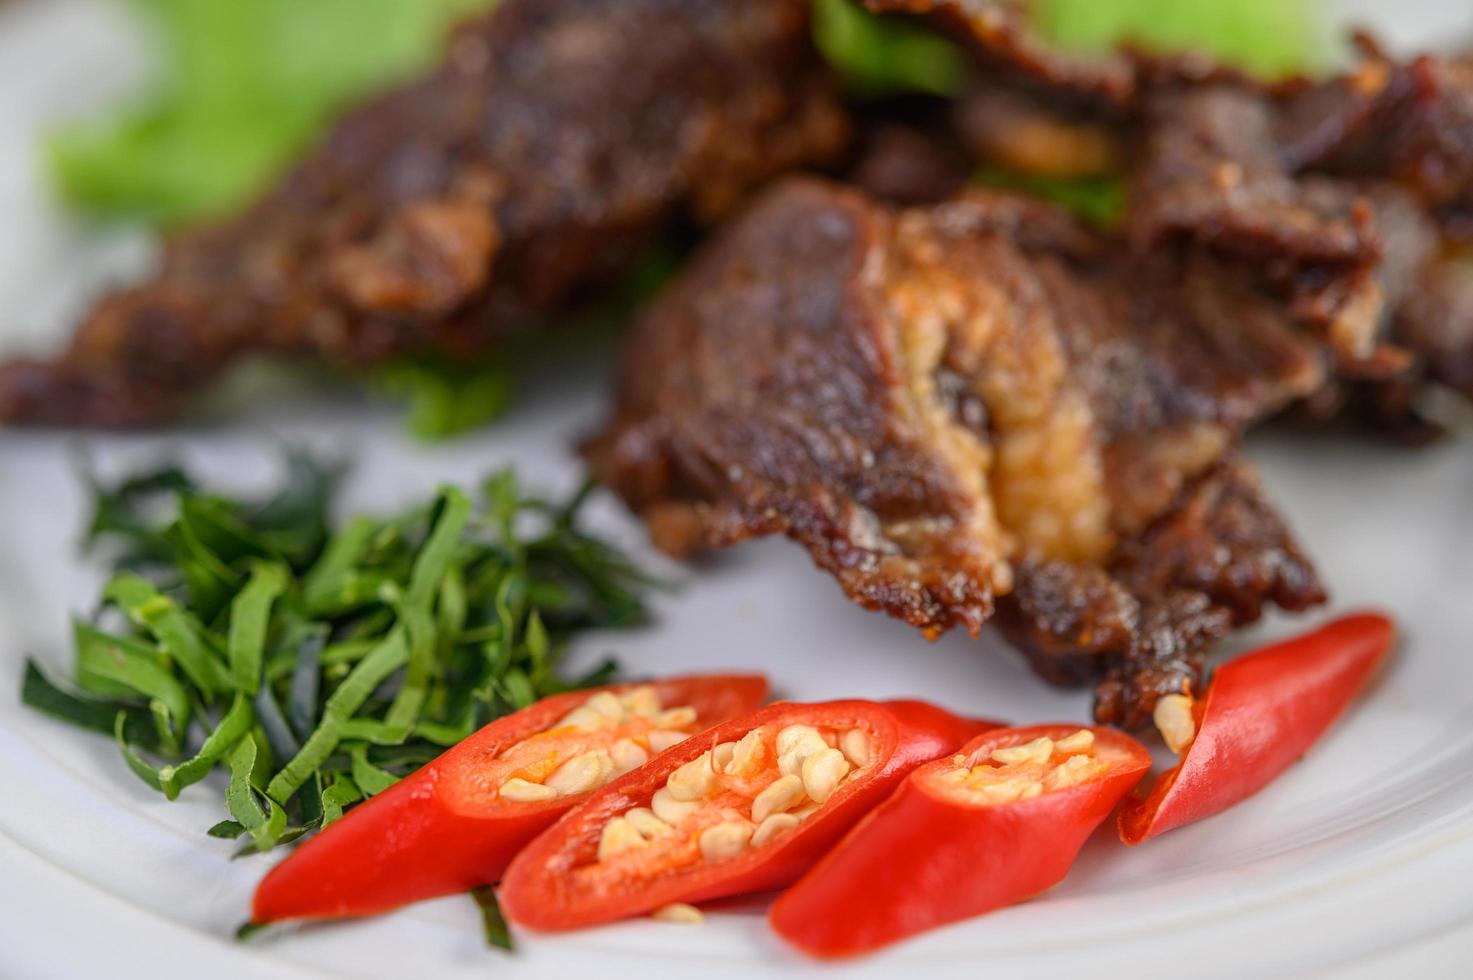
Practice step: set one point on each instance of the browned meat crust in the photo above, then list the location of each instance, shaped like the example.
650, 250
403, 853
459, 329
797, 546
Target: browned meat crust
1208, 166
511, 184
906, 154
1214, 559
766, 392
1208, 173
966, 405
1333, 195
1411, 122
1025, 133
1435, 320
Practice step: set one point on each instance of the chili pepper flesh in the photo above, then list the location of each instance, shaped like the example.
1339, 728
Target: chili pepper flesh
996, 823
1261, 713
457, 822
745, 807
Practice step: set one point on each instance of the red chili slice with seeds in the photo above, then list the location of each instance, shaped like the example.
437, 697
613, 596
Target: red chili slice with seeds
1262, 713
997, 823
746, 807
457, 822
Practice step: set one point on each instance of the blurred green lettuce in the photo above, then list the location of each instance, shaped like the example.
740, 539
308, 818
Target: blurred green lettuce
245, 85
878, 56
882, 55
1268, 37
886, 55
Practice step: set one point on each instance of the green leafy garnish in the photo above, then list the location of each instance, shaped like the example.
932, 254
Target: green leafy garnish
317, 668
247, 84
95, 715
493, 923
879, 56
1269, 37
443, 400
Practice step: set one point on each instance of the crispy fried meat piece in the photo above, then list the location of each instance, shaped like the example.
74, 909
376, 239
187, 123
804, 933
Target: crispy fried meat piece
1030, 134
1410, 122
1207, 172
1200, 147
1331, 194
513, 183
970, 405
906, 153
1435, 320
1207, 165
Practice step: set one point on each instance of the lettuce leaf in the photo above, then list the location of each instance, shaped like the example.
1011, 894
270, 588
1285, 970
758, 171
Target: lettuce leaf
883, 55
1268, 37
246, 85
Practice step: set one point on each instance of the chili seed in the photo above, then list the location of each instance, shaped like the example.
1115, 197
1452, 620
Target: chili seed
519, 790
822, 772
855, 745
1081, 741
682, 717
660, 739
619, 835
781, 794
680, 913
692, 780
627, 755
1173, 718
648, 825
641, 702
747, 754
725, 840
776, 824
1037, 751
581, 773
668, 808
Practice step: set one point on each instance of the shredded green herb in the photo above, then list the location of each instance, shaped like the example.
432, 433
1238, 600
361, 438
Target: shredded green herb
317, 667
493, 923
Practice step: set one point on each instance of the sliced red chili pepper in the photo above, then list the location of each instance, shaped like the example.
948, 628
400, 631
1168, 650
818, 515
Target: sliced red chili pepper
951, 731
746, 807
1261, 713
997, 823
457, 822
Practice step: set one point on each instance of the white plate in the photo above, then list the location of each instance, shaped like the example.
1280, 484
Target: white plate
1363, 850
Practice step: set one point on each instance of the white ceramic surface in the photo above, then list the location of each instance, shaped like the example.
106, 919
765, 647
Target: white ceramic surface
1363, 852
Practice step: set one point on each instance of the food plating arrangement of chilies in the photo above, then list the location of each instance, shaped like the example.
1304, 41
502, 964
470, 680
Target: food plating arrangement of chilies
876, 820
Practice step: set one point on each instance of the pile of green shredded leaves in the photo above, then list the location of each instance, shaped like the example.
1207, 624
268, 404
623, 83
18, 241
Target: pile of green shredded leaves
318, 666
